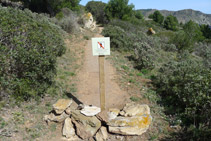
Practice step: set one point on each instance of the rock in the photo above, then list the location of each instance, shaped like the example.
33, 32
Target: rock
133, 109
86, 127
61, 105
55, 118
102, 134
130, 125
89, 21
103, 116
90, 110
113, 113
120, 138
68, 110
68, 131
151, 31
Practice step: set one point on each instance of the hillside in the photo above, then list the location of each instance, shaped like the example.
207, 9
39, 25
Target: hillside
182, 15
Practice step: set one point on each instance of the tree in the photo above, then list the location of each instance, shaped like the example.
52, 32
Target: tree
119, 9
193, 31
206, 30
158, 17
57, 5
50, 6
171, 23
138, 15
97, 10
150, 16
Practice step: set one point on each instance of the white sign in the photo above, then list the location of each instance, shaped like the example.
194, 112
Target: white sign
101, 46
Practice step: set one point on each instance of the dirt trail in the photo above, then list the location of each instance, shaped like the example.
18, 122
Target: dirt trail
88, 84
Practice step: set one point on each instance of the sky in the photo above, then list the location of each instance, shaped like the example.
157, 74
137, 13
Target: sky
173, 5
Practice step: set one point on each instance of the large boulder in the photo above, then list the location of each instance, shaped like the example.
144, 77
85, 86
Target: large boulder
136, 125
89, 21
134, 120
61, 105
86, 127
151, 31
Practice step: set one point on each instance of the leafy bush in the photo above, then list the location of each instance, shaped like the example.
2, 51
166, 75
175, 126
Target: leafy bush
206, 30
171, 23
182, 41
158, 17
185, 89
68, 20
139, 15
29, 46
119, 9
119, 38
204, 50
97, 10
145, 55
50, 6
193, 31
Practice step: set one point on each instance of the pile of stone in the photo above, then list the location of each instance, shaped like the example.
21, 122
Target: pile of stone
85, 122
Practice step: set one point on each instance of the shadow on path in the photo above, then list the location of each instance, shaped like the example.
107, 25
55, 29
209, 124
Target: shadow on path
73, 98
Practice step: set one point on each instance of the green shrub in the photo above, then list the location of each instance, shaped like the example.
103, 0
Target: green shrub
193, 31
145, 55
129, 37
29, 46
171, 23
185, 89
67, 20
182, 41
50, 6
204, 50
206, 31
158, 17
119, 38
119, 9
139, 15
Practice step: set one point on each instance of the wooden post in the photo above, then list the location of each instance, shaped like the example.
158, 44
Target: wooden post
102, 82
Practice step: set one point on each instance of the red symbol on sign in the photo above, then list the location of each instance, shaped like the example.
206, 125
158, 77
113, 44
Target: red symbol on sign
100, 45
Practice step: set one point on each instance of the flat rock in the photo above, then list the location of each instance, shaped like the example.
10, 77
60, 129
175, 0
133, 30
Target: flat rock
130, 125
55, 118
68, 130
133, 109
102, 134
103, 116
61, 105
90, 110
86, 127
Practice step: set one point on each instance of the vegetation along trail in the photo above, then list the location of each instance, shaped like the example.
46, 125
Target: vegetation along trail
88, 84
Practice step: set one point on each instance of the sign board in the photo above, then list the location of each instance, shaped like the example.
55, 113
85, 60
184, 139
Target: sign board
101, 46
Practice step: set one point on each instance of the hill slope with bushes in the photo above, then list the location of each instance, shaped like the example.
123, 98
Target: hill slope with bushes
30, 44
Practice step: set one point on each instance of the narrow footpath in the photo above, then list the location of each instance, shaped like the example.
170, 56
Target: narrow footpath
88, 84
